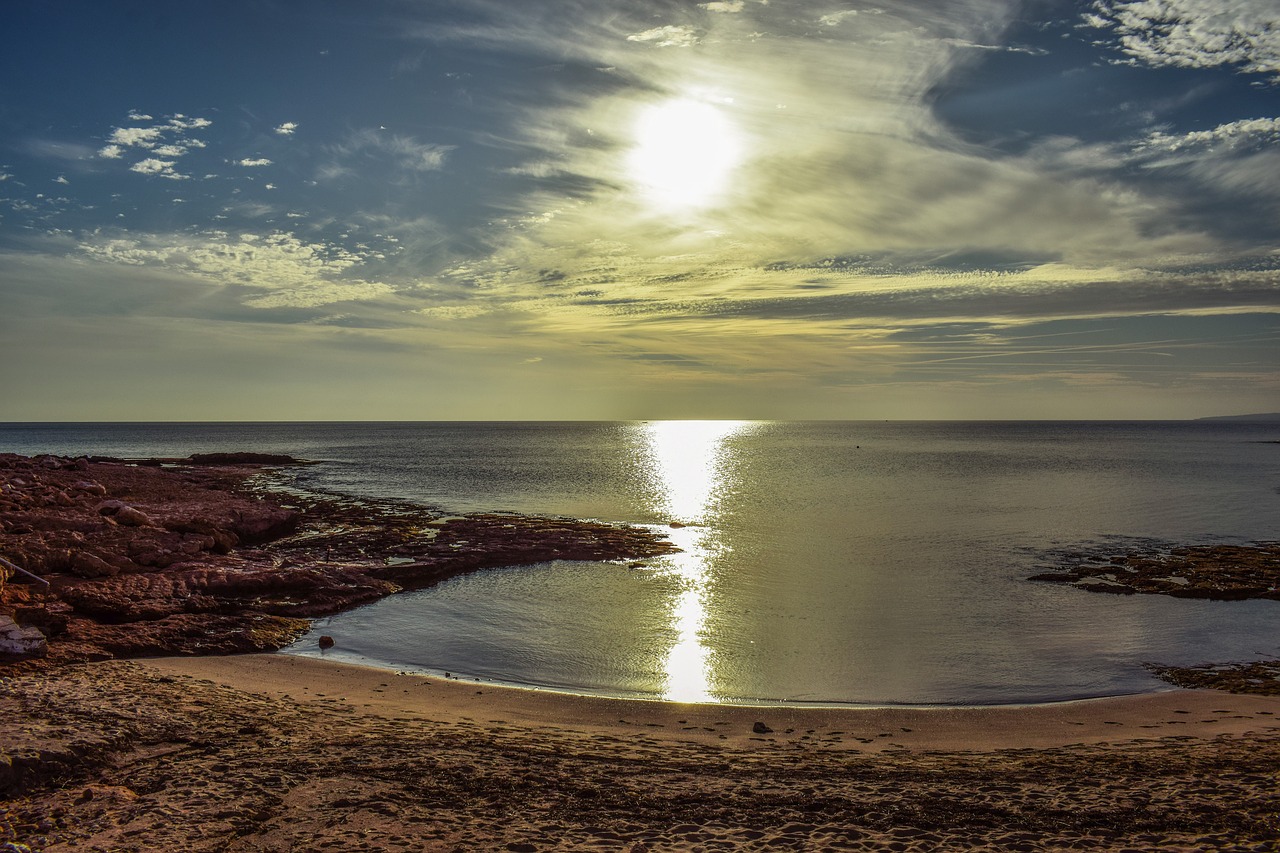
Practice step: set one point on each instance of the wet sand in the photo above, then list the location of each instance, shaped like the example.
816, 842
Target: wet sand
368, 690
276, 753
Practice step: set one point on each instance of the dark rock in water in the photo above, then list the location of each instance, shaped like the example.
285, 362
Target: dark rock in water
242, 459
761, 729
1219, 572
1260, 677
326, 642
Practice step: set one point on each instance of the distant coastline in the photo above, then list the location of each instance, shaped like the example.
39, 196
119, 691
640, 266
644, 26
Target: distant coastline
1265, 417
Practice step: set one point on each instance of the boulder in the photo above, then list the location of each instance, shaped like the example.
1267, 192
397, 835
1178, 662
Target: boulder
88, 565
132, 517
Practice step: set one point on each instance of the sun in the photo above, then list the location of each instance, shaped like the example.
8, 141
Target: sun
685, 151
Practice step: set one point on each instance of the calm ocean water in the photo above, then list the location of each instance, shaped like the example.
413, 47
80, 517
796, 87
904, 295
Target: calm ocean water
860, 562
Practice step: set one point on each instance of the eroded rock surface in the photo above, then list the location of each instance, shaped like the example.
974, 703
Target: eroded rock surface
146, 559
1224, 572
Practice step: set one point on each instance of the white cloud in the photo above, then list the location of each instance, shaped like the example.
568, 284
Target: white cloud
154, 166
287, 129
730, 6
164, 142
1195, 33
250, 163
837, 18
1231, 136
61, 179
181, 122
668, 36
141, 137
283, 270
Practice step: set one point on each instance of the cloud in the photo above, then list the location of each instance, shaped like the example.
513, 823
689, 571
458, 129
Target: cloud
1244, 34
1232, 136
668, 36
155, 166
727, 6
164, 143
150, 137
141, 137
57, 150
250, 163
287, 129
837, 18
405, 152
181, 122
277, 269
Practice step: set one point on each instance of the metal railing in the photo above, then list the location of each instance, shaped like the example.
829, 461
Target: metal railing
22, 571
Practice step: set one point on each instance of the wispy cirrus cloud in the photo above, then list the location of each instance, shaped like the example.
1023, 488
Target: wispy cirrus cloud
400, 150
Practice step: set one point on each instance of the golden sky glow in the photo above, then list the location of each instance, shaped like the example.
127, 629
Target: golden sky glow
575, 209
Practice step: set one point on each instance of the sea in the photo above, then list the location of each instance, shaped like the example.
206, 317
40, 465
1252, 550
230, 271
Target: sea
855, 563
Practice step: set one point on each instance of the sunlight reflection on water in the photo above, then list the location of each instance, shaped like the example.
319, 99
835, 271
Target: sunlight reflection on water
691, 464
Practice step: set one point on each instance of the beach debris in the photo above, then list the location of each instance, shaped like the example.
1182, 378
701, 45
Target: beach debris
761, 729
326, 642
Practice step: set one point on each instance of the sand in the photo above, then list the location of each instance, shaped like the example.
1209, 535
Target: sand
272, 752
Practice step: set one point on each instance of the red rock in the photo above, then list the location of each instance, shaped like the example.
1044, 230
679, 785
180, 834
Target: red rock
86, 565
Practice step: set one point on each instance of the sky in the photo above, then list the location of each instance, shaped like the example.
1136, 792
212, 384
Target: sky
629, 209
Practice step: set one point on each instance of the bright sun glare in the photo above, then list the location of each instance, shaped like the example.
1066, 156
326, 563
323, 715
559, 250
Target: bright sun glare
685, 150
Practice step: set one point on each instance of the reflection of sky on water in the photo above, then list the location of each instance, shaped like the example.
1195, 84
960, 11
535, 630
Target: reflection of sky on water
691, 463
823, 562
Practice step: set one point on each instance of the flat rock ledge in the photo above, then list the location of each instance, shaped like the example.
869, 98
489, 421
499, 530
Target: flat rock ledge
1260, 677
1222, 572
199, 557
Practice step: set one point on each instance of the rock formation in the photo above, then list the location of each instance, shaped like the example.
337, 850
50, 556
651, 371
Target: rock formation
179, 558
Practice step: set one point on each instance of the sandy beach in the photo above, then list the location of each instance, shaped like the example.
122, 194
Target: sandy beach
277, 753
202, 750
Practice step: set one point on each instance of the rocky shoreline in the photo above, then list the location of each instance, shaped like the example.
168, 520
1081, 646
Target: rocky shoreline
175, 557
1216, 572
